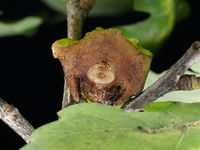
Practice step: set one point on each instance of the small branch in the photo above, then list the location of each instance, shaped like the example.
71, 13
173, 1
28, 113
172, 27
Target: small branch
168, 82
77, 11
12, 117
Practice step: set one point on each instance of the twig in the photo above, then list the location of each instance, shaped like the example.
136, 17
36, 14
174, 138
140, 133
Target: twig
77, 11
12, 117
168, 82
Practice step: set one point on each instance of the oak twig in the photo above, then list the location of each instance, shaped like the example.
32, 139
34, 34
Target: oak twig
168, 82
77, 11
12, 117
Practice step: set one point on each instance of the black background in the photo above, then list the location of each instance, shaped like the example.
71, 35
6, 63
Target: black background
32, 80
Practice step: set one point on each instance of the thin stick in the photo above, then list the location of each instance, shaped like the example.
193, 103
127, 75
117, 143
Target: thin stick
12, 117
77, 11
168, 82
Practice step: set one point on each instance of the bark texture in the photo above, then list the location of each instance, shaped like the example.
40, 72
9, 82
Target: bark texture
12, 117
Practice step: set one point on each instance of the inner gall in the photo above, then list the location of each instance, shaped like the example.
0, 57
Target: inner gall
101, 74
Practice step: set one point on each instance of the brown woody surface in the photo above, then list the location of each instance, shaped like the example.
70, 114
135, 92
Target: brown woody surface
104, 67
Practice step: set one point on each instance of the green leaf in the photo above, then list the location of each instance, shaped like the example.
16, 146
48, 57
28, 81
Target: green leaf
26, 26
178, 96
153, 31
163, 126
101, 7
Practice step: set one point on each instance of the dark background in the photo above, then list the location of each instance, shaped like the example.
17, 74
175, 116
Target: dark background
32, 80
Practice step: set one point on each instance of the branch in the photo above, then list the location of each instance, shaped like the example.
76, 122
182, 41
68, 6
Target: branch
77, 11
12, 117
168, 82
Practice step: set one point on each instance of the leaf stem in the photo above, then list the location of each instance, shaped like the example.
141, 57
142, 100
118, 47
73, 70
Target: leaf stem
168, 82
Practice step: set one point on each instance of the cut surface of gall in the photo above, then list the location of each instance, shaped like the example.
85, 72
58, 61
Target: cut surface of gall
104, 67
101, 74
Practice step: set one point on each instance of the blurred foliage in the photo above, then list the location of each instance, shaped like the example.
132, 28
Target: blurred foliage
101, 7
1, 12
182, 9
26, 26
153, 31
